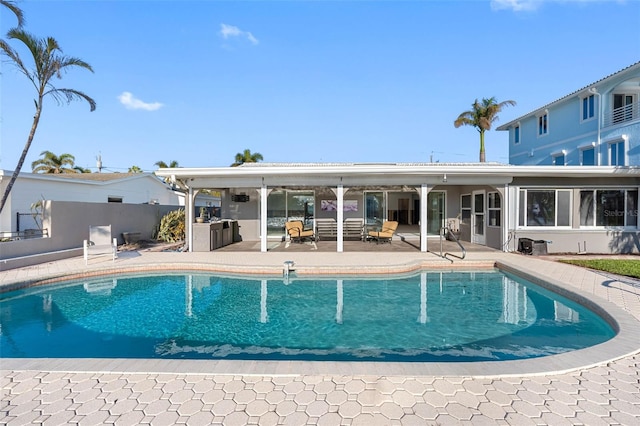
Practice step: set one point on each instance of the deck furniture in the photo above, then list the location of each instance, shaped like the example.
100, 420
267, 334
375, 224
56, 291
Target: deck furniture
385, 234
100, 243
296, 231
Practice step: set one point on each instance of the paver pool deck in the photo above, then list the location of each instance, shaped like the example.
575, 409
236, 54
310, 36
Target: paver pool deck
599, 385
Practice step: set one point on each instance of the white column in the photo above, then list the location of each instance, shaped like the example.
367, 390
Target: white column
263, 302
189, 213
263, 218
423, 217
339, 302
340, 218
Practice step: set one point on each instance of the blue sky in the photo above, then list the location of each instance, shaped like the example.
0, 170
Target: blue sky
307, 81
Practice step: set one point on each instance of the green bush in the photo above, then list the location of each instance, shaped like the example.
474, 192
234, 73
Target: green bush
172, 227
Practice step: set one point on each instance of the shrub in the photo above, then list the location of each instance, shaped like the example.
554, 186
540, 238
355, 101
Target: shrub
172, 226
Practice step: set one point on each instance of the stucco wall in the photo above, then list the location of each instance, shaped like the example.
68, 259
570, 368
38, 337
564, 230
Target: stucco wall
68, 224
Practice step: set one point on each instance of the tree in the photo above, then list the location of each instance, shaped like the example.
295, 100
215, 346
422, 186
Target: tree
48, 62
134, 169
53, 164
161, 164
15, 9
247, 157
482, 116
81, 169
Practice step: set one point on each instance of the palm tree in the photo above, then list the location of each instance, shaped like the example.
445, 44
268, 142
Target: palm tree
482, 116
134, 169
81, 169
247, 157
53, 164
48, 62
163, 165
15, 9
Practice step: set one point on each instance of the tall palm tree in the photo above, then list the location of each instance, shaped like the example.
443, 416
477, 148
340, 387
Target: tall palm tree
11, 5
53, 164
482, 116
48, 62
247, 157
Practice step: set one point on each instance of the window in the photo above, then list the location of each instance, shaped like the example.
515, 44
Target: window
588, 107
465, 210
114, 199
609, 208
494, 206
545, 207
516, 135
543, 124
558, 159
622, 108
616, 153
588, 156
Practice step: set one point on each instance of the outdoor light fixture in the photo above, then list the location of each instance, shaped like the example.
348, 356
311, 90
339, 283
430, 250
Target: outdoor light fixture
444, 178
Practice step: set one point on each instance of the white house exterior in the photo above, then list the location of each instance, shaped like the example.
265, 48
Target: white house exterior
597, 125
576, 208
130, 188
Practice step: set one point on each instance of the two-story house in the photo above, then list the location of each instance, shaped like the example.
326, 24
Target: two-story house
597, 125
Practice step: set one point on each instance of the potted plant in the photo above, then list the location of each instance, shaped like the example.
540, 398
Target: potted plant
203, 211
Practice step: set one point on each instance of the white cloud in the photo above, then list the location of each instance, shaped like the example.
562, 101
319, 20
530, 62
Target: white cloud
228, 31
127, 99
530, 5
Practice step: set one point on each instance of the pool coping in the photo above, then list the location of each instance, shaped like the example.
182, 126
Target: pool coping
623, 344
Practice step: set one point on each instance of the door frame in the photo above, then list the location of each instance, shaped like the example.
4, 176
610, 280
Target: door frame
477, 238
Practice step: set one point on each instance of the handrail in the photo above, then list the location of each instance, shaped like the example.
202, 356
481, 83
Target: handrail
464, 251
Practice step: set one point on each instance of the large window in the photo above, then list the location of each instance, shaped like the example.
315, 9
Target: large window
543, 124
588, 107
545, 207
288, 205
616, 153
609, 207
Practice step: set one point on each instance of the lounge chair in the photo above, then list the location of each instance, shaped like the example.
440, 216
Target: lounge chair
100, 243
385, 233
296, 231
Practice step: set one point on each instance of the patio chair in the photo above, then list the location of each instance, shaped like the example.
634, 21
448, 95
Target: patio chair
296, 231
385, 233
100, 243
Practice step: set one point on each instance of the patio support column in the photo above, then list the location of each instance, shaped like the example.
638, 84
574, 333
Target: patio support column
263, 217
340, 218
423, 217
189, 214
505, 216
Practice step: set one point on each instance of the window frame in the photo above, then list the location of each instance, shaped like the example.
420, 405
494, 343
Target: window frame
610, 150
517, 134
523, 208
587, 108
494, 209
594, 208
543, 123
559, 154
590, 147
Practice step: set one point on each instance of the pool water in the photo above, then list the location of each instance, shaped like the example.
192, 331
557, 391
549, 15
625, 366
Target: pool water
430, 316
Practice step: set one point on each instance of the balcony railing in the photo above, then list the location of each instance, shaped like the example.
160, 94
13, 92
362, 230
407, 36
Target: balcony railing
621, 115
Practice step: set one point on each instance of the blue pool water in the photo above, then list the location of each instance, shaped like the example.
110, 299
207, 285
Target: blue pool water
430, 316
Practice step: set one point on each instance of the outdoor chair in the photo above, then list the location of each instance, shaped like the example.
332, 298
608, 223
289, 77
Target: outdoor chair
297, 233
385, 233
100, 243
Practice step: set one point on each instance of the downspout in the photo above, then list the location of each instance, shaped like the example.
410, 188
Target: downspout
594, 91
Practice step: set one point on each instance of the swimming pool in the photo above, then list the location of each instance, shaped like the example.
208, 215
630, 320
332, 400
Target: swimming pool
425, 317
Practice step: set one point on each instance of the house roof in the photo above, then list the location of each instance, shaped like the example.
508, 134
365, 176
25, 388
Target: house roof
562, 99
84, 178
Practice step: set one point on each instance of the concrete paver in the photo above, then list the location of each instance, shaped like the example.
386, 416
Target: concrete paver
606, 392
